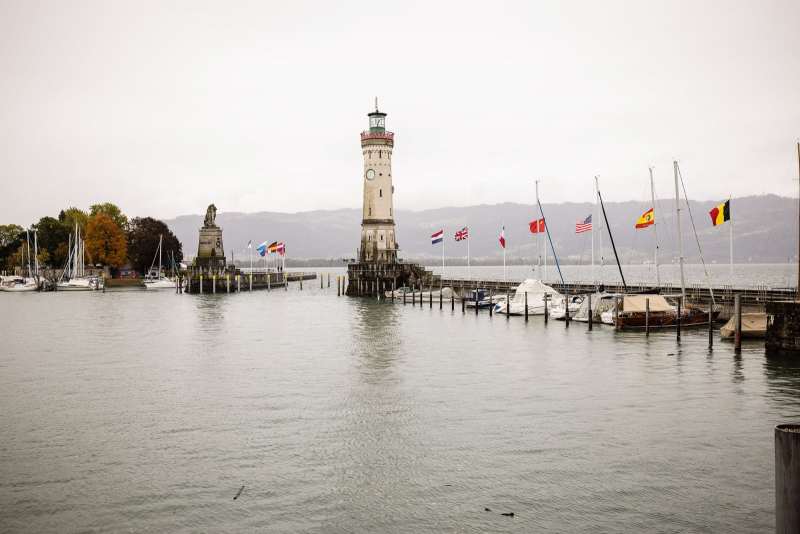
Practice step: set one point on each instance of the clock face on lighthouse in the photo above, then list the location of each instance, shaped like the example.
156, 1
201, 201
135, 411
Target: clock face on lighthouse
370, 174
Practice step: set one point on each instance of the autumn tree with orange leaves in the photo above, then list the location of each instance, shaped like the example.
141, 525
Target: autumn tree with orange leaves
105, 241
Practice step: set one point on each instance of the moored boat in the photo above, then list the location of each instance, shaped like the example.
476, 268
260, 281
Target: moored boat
536, 291
754, 326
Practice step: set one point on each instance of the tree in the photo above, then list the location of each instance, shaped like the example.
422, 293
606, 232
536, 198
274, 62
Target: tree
70, 216
53, 236
105, 241
11, 237
143, 243
113, 211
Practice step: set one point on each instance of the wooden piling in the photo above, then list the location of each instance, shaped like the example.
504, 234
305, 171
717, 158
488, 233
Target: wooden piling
526, 306
737, 332
508, 305
285, 281
476, 300
301, 282
546, 315
591, 312
430, 298
452, 302
710, 328
646, 317
678, 324
787, 478
566, 311
616, 313
463, 304
413, 295
320, 281
441, 296
329, 280
338, 286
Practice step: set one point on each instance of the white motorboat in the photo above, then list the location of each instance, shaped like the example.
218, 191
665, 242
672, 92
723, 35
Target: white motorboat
536, 292
601, 302
155, 278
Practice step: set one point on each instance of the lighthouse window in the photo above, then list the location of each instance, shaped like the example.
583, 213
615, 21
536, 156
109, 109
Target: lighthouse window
370, 211
380, 153
381, 237
380, 193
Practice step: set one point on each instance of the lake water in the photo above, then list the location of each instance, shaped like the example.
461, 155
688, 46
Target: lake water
136, 411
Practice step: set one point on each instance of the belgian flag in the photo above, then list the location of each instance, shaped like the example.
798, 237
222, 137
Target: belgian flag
720, 214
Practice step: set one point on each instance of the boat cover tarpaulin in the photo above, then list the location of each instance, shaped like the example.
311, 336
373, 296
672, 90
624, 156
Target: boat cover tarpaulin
637, 303
753, 325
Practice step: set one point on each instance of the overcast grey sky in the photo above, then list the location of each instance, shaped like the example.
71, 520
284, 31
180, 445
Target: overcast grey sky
164, 107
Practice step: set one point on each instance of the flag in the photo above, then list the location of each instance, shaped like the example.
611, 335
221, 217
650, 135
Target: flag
262, 249
273, 247
720, 214
646, 219
280, 248
437, 237
536, 226
503, 237
462, 234
584, 225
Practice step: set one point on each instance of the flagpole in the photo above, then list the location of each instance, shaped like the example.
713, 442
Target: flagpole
443, 240
504, 253
469, 271
593, 277
250, 248
731, 247
541, 217
600, 223
655, 225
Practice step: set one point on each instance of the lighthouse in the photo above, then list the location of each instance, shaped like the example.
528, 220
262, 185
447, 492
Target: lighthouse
378, 244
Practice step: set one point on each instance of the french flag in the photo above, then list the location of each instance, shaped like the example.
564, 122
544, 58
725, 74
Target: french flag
503, 237
437, 237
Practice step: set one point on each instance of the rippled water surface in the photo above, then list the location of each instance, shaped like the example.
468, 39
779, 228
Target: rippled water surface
137, 411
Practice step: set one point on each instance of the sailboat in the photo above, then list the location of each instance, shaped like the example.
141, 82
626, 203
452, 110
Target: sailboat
155, 278
74, 271
31, 282
663, 311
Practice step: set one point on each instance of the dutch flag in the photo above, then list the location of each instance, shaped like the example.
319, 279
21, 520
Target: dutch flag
437, 237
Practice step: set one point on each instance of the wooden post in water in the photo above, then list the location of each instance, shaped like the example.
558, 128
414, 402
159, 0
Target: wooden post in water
566, 310
338, 287
546, 315
616, 313
646, 317
508, 305
227, 283
491, 301
526, 306
329, 279
591, 312
737, 332
285, 281
452, 302
430, 297
213, 283
301, 282
787, 478
710, 328
320, 281
463, 304
413, 295
680, 305
441, 296
476, 300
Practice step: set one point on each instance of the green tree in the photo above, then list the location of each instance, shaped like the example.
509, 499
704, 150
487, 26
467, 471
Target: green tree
113, 211
143, 243
53, 236
105, 241
70, 216
11, 237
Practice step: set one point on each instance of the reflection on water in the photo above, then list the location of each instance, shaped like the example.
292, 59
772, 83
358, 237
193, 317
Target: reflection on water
365, 416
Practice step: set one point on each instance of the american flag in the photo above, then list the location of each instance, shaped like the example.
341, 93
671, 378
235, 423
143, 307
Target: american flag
462, 234
584, 225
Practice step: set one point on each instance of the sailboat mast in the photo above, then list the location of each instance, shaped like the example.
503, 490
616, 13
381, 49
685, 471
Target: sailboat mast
36, 253
600, 224
680, 237
160, 239
611, 236
798, 227
28, 242
593, 225
655, 226
541, 218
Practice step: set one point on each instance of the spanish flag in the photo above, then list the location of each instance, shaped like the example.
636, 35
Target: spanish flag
646, 219
720, 214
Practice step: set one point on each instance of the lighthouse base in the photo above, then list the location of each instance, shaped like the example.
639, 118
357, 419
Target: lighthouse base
367, 279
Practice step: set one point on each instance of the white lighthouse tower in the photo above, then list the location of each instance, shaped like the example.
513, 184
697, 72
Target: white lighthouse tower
378, 243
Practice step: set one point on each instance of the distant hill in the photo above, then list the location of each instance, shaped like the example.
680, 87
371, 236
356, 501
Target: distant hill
765, 231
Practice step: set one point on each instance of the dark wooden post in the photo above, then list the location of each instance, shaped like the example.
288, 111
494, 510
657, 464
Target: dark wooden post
441, 297
737, 332
430, 297
338, 287
710, 327
526, 306
591, 312
546, 315
413, 295
787, 478
646, 317
616, 313
452, 301
476, 300
463, 303
508, 305
566, 311
491, 301
680, 305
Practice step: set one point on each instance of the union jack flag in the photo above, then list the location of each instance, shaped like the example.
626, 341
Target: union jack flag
584, 225
462, 234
